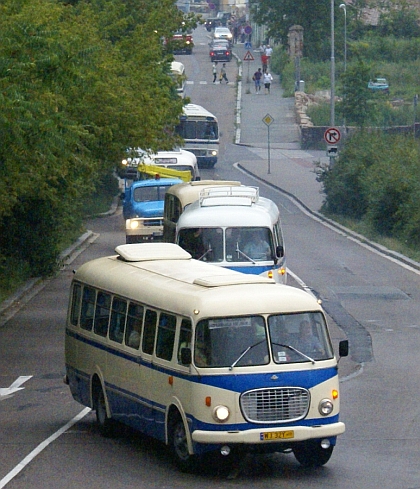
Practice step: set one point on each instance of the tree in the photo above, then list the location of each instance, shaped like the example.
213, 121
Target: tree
80, 82
313, 15
357, 106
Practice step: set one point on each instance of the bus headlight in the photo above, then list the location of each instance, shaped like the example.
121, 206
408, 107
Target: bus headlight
214, 153
325, 407
221, 413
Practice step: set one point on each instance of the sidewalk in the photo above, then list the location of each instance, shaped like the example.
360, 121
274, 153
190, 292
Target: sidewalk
278, 157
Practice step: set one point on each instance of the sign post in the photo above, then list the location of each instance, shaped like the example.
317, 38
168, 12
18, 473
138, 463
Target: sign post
332, 136
268, 120
248, 57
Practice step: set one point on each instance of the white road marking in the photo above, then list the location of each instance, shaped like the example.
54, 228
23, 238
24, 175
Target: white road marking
21, 465
7, 392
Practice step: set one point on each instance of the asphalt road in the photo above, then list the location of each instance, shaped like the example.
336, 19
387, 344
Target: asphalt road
358, 286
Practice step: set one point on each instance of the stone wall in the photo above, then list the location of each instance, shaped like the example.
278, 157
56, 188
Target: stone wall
312, 137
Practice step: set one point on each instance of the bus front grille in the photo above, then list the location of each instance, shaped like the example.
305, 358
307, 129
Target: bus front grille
198, 152
275, 405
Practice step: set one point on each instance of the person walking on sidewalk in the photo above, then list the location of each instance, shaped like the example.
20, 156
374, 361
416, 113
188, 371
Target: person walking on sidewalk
264, 62
257, 80
214, 68
223, 75
267, 79
268, 53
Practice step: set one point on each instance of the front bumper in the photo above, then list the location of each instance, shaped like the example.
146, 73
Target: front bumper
255, 436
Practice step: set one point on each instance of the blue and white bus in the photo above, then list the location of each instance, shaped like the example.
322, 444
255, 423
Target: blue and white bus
203, 358
234, 227
199, 129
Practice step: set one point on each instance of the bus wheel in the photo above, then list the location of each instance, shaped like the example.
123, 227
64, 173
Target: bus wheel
179, 446
105, 424
311, 454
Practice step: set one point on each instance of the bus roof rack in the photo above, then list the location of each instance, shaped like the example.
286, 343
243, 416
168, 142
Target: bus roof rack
151, 251
217, 195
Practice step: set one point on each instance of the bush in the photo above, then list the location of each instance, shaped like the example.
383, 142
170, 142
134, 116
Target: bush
375, 179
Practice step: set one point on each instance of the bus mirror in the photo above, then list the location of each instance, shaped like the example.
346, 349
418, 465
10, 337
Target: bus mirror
186, 356
343, 348
279, 251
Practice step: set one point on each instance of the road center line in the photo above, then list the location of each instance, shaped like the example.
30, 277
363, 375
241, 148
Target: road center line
21, 465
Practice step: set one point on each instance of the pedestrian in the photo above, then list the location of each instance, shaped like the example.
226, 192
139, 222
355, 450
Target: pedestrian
264, 62
223, 75
242, 30
257, 80
214, 68
267, 79
268, 52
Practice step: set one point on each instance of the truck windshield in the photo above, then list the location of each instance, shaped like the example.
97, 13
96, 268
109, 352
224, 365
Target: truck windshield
149, 194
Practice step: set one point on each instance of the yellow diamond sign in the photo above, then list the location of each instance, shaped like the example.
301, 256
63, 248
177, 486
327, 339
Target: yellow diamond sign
267, 119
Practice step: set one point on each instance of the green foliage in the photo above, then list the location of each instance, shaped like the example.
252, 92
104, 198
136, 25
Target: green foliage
376, 180
357, 103
79, 83
280, 16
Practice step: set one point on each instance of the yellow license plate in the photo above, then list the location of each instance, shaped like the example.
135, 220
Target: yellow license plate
277, 435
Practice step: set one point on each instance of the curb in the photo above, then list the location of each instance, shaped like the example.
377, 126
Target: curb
394, 255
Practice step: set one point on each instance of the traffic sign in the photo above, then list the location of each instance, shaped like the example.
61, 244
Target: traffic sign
248, 56
248, 29
267, 119
248, 45
332, 135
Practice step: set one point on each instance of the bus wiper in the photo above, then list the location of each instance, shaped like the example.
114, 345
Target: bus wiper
244, 353
210, 249
243, 254
296, 351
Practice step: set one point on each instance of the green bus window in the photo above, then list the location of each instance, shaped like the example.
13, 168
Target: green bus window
134, 325
75, 304
166, 336
149, 331
88, 308
117, 323
102, 313
185, 336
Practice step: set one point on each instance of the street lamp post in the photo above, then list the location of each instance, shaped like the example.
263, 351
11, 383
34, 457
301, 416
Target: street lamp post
344, 7
332, 104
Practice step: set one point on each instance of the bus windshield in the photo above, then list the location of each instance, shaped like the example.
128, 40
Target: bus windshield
234, 244
190, 129
243, 341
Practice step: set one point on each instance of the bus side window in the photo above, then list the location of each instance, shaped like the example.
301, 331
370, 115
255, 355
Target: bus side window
75, 304
117, 324
149, 331
185, 336
88, 308
102, 313
166, 336
134, 325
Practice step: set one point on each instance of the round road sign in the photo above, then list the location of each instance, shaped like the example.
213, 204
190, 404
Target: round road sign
332, 135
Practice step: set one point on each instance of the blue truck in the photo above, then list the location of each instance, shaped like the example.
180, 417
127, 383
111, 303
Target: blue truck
143, 204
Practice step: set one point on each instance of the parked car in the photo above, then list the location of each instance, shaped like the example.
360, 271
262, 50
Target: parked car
220, 51
379, 85
222, 33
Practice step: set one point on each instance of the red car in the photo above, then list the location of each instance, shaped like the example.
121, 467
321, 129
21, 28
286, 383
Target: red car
182, 43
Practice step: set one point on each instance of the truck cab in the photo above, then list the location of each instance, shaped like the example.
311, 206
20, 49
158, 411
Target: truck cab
143, 203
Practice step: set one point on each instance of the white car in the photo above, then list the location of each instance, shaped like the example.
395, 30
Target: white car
222, 33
